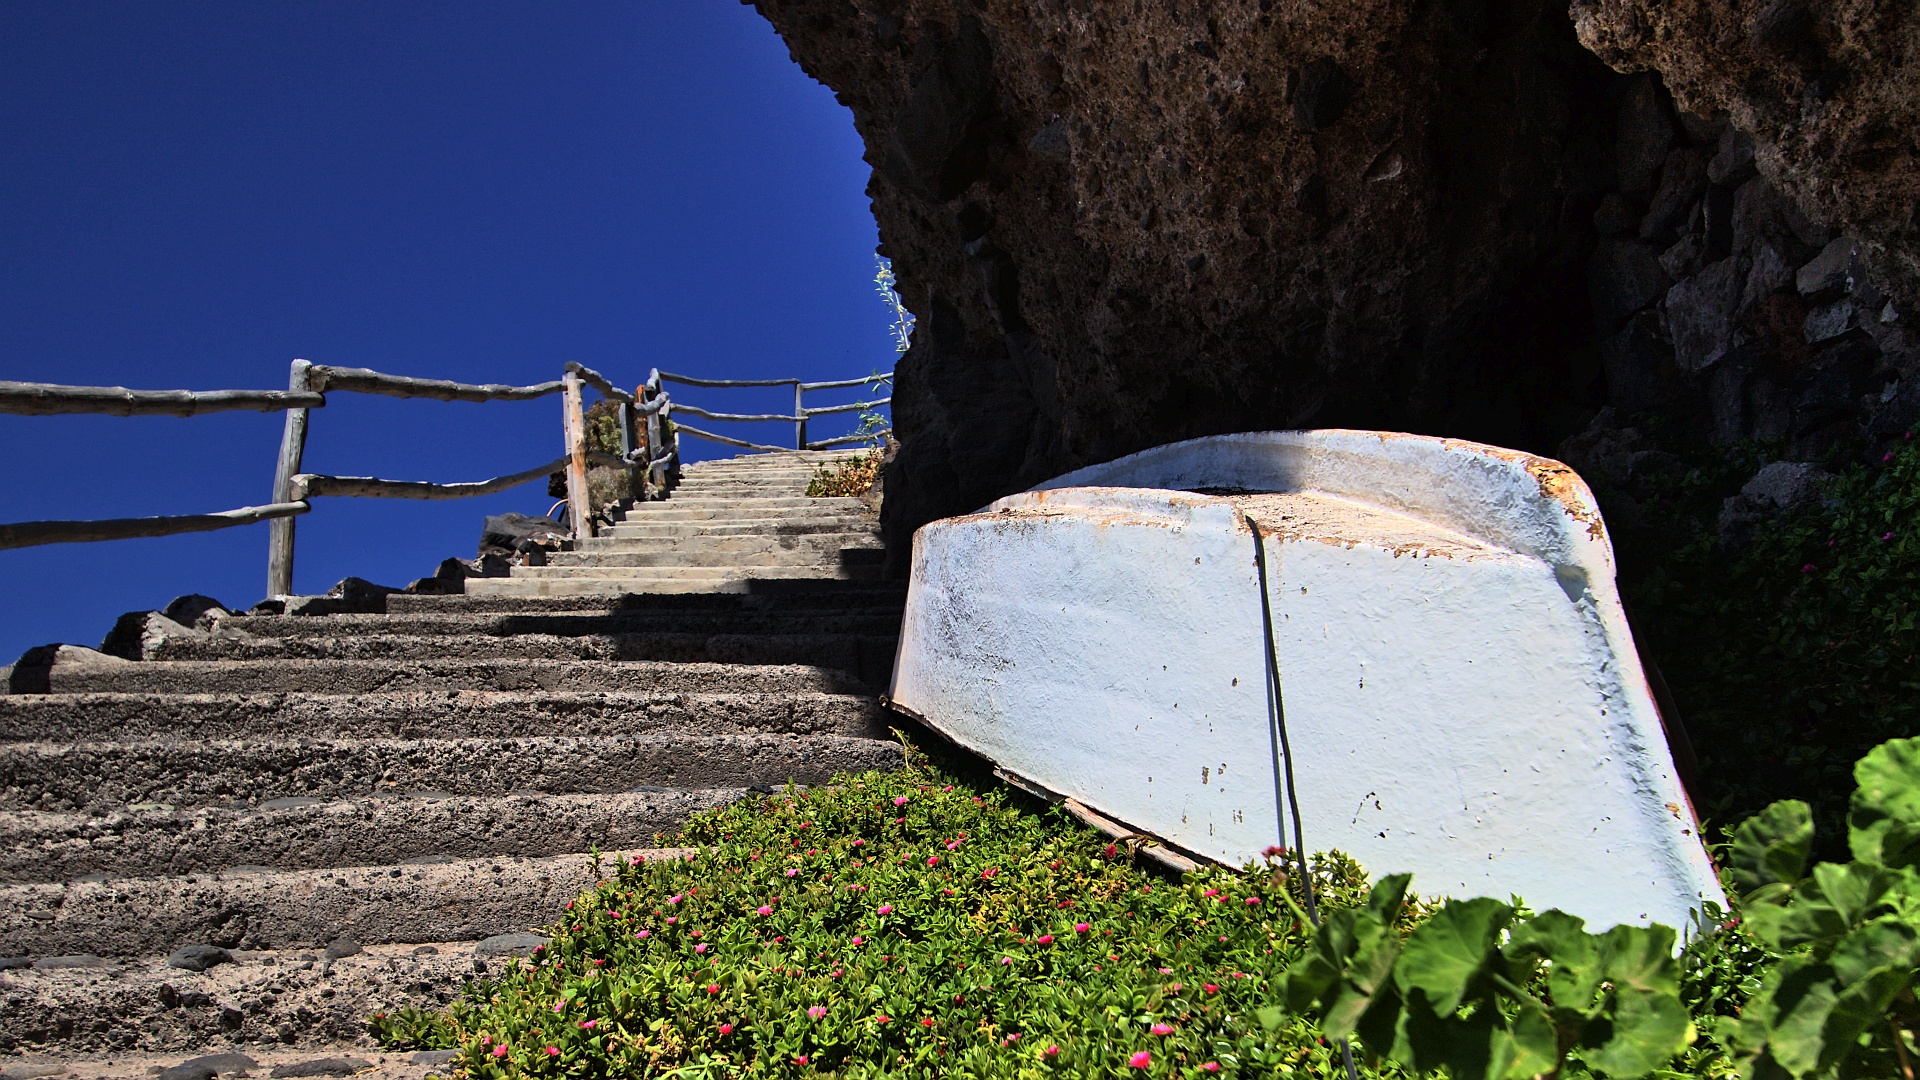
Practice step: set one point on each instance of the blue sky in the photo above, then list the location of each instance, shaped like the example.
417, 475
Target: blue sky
192, 194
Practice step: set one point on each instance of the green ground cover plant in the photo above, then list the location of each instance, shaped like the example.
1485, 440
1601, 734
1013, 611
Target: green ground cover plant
909, 924
1791, 655
854, 476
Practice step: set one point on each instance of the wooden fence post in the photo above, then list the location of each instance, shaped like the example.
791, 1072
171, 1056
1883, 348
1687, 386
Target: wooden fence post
576, 430
293, 443
800, 411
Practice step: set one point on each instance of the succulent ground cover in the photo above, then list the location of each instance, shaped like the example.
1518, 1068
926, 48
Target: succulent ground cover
911, 924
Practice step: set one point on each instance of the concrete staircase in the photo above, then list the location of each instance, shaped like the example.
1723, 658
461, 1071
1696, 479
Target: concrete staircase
353, 807
728, 522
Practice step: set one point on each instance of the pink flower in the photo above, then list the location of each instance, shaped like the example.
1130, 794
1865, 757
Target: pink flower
1211, 1066
933, 860
1886, 536
553, 1051
589, 1025
817, 1011
676, 898
859, 843
1051, 1051
763, 909
1274, 851
1081, 928
644, 934
1252, 900
726, 1029
884, 909
859, 941
671, 919
1006, 960
900, 800
500, 1051
1140, 1059
926, 1021
1211, 988
1809, 568
1162, 1029
801, 1060
713, 988
1888, 458
700, 948
792, 872
1044, 939
883, 1018
635, 861
987, 874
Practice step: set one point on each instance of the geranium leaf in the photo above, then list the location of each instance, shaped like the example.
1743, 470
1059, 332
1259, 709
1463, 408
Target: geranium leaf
1772, 846
1446, 955
1883, 826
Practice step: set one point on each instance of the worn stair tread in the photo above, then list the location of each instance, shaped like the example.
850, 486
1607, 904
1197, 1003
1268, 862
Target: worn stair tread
463, 900
527, 587
826, 569
107, 1022
678, 557
692, 621
237, 772
377, 676
423, 714
308, 833
781, 595
825, 650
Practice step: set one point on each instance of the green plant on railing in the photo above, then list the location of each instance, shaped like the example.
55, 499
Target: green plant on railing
883, 283
1841, 1001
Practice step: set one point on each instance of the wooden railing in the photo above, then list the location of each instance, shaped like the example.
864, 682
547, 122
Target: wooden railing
798, 417
654, 447
307, 388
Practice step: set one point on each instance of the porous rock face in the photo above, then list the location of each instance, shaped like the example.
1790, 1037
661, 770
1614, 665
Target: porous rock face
1830, 93
1122, 224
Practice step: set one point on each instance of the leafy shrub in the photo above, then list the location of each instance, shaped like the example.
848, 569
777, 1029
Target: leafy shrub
855, 476
1792, 657
409, 1028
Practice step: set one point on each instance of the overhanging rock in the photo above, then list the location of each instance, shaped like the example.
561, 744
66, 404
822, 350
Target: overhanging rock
1460, 691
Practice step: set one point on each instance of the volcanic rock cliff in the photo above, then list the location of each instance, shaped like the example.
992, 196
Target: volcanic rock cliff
1122, 223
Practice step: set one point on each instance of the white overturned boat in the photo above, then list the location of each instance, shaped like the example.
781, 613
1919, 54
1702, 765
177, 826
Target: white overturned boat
1457, 687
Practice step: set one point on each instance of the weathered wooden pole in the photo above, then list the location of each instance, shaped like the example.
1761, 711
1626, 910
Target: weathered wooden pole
576, 430
293, 443
800, 416
656, 431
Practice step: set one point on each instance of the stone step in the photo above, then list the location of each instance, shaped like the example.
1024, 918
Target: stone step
429, 714
237, 772
527, 588
278, 1007
777, 595
867, 656
730, 537
381, 676
307, 833
692, 554
847, 524
670, 511
745, 502
860, 565
567, 624
463, 900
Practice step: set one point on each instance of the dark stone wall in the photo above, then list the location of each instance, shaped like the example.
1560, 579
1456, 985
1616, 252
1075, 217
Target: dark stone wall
1122, 223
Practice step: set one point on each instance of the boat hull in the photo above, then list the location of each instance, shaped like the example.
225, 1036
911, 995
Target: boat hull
1458, 691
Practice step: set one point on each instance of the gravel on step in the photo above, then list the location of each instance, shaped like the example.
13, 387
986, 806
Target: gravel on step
385, 676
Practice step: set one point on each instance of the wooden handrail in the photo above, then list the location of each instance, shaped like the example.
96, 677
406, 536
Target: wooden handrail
51, 399
845, 439
366, 381
843, 408
689, 429
318, 485
843, 382
599, 382
32, 533
691, 381
748, 417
